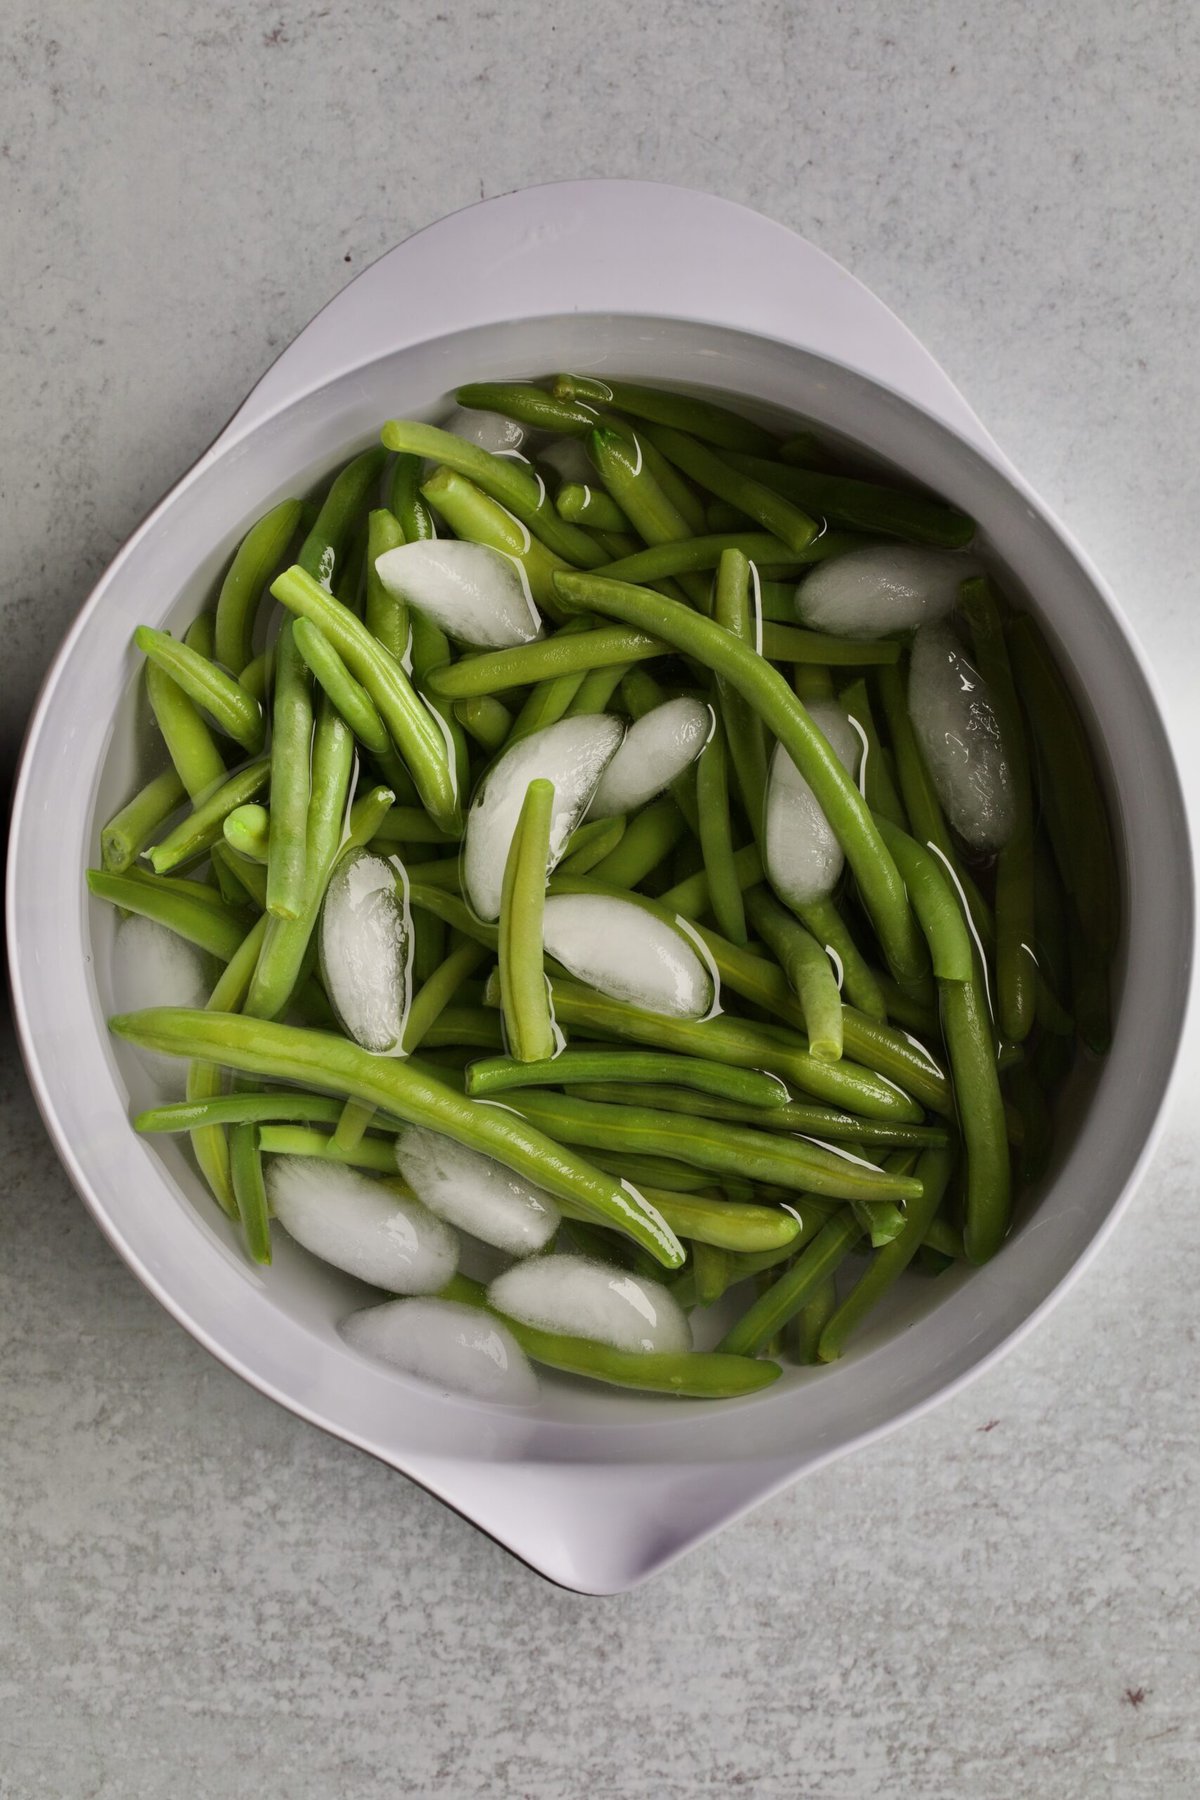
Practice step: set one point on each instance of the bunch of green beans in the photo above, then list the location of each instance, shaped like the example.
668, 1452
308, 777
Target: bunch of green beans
878, 1076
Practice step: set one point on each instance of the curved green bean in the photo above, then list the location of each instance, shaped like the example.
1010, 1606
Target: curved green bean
766, 690
524, 998
198, 763
749, 1086
703, 418
875, 775
771, 510
247, 829
323, 550
493, 671
808, 970
202, 828
935, 903
259, 553
290, 1053
209, 924
385, 613
528, 405
273, 1104
237, 713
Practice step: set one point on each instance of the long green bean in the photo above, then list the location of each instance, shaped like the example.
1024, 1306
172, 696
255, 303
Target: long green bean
862, 505
777, 515
524, 997
716, 835
385, 613
237, 713
493, 671
734, 610
765, 689
210, 925
202, 827
703, 418
824, 1123
649, 836
749, 1086
808, 970
794, 1289
130, 829
258, 555
245, 1168
474, 515
189, 742
889, 1263
437, 992
324, 550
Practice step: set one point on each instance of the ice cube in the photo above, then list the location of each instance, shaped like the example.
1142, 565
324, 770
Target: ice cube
460, 1349
955, 721
569, 460
628, 953
151, 966
477, 595
572, 754
366, 947
580, 1297
802, 855
361, 1225
657, 747
475, 1193
881, 588
491, 431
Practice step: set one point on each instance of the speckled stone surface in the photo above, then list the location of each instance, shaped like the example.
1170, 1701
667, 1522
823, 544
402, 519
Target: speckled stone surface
198, 1594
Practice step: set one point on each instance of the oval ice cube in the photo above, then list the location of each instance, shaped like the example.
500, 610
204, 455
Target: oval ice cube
476, 594
628, 953
657, 747
572, 754
491, 431
569, 460
461, 1349
366, 947
801, 853
362, 1226
955, 722
881, 588
581, 1297
151, 966
476, 1193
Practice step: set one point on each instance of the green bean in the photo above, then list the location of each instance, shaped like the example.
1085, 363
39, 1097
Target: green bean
202, 828
129, 830
858, 982
549, 700
808, 971
821, 1122
352, 1124
663, 1172
935, 904
703, 418
774, 513
802, 1334
323, 550
247, 831
528, 405
789, 643
765, 689
256, 676
927, 821
347, 695
683, 556
734, 611
711, 1271
875, 775
691, 897
1081, 840
886, 1267
720, 1148
288, 1053
723, 1224
589, 844
516, 486
291, 750
410, 825
438, 990
235, 711
862, 505
259, 553
968, 1034
493, 671
239, 1109
210, 925
596, 690
691, 1375
805, 448
474, 515
245, 1168
466, 1028
649, 836
385, 613
189, 742
716, 835
579, 504
1016, 965
633, 485
369, 816
487, 719
404, 498
524, 1000
201, 635
749, 1086
239, 878
1037, 1132
286, 942
410, 725
376, 1154
210, 1145
794, 1289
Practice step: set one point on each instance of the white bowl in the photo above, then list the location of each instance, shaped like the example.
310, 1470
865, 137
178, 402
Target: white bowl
597, 1489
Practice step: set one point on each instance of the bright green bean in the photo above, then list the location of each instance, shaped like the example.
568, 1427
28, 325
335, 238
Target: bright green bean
412, 729
514, 484
493, 671
487, 719
404, 498
580, 504
862, 505
524, 998
210, 1143
772, 511
793, 1290
347, 695
247, 829
245, 1168
237, 713
528, 405
288, 1053
189, 742
352, 1124
385, 613
749, 1086
808, 970
377, 1154
240, 1109
291, 750
886, 1267
860, 986
322, 553
202, 828
438, 990
257, 674
649, 836
474, 515
711, 1271
724, 1224
716, 835
766, 690
633, 483
821, 1122
258, 555
589, 844
368, 817
129, 830
210, 925
549, 700
703, 418
935, 904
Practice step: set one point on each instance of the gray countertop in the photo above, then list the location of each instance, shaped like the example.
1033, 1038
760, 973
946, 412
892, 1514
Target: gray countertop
199, 1594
